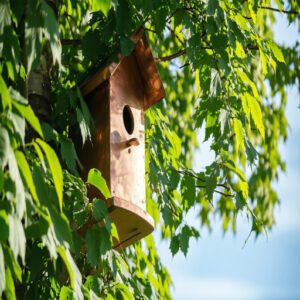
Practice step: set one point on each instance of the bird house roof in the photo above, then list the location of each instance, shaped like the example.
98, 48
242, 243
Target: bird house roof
153, 87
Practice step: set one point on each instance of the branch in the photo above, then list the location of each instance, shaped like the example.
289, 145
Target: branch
150, 29
216, 191
183, 52
170, 57
291, 12
176, 36
74, 42
203, 180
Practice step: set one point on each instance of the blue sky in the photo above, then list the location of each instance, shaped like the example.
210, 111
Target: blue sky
218, 267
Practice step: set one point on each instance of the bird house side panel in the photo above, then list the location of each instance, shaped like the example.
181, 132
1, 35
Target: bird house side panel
96, 153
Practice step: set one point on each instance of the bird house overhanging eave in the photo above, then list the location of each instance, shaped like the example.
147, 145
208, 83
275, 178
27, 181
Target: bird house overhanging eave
152, 84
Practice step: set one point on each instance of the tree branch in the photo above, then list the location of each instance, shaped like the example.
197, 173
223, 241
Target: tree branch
291, 12
216, 191
74, 42
176, 36
203, 180
170, 57
183, 52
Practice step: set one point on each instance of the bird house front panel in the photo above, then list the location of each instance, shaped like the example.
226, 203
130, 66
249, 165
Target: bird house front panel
127, 133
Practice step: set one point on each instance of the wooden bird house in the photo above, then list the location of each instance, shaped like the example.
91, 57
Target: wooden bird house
117, 96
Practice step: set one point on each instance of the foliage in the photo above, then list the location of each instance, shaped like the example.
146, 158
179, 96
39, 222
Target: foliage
224, 77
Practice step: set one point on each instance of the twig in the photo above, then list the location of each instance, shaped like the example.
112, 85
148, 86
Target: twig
203, 180
149, 29
292, 12
184, 65
176, 35
215, 191
172, 56
183, 52
74, 42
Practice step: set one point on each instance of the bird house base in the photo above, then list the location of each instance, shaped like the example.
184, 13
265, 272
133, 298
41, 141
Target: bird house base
132, 222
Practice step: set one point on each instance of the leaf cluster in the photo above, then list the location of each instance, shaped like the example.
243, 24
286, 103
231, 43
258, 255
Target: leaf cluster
225, 80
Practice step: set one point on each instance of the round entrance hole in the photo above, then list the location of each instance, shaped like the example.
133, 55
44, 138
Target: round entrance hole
128, 119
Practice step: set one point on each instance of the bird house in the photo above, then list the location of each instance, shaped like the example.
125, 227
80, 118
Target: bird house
117, 96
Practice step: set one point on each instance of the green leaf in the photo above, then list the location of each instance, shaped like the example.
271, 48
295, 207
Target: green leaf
256, 114
174, 245
69, 154
245, 79
114, 233
239, 202
33, 38
184, 239
42, 188
126, 46
51, 32
188, 190
84, 117
50, 134
5, 97
19, 125
37, 229
26, 172
1, 180
83, 125
251, 152
15, 175
123, 16
77, 242
11, 263
17, 239
61, 228
123, 292
105, 234
10, 70
26, 112
223, 119
276, 51
239, 134
93, 245
55, 168
211, 6
215, 83
239, 50
95, 178
10, 286
4, 15
94, 283
245, 105
4, 225
49, 240
243, 186
279, 3
264, 62
74, 273
232, 167
103, 5
4, 147
66, 293
99, 209
2, 270
210, 184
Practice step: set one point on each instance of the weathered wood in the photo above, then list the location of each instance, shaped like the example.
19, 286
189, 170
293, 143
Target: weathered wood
117, 96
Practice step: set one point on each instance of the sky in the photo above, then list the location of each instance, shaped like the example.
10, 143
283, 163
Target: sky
217, 266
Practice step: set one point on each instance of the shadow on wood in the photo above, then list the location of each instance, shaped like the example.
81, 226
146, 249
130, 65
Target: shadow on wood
117, 96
